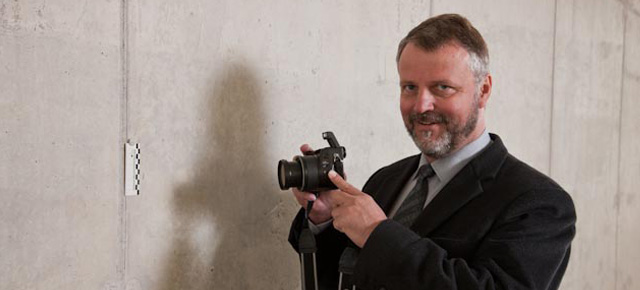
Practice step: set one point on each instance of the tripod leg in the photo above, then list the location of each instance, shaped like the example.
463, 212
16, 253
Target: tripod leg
309, 273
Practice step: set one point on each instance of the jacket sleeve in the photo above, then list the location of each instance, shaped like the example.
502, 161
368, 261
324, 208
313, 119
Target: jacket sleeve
527, 247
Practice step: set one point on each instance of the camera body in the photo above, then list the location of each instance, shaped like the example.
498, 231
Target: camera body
309, 172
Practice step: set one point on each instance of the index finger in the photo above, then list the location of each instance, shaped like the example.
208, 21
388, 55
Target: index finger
335, 197
342, 184
306, 149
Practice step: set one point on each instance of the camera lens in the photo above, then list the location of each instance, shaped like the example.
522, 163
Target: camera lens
289, 174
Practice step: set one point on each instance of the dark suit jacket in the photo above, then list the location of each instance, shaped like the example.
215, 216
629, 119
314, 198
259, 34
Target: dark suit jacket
498, 224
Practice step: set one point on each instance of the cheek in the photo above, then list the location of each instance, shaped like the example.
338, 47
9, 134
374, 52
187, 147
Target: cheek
405, 106
454, 110
405, 111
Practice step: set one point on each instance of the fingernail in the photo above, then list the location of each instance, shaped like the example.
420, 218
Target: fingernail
312, 197
332, 174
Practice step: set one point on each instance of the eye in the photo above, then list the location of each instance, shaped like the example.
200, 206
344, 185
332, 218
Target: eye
443, 90
409, 88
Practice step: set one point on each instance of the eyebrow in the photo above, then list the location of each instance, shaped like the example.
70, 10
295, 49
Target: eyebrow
436, 82
432, 83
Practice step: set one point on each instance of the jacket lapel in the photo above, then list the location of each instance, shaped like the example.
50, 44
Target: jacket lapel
460, 190
464, 187
394, 182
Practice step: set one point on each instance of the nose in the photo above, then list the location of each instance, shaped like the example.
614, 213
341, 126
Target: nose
424, 102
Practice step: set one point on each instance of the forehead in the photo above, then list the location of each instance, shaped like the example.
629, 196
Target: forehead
449, 62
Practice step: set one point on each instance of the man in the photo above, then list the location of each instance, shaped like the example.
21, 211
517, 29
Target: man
463, 214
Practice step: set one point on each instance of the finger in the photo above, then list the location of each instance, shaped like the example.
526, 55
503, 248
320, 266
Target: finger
338, 222
306, 149
304, 196
337, 226
342, 184
336, 198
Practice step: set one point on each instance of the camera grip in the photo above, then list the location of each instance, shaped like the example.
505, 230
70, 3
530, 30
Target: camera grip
338, 167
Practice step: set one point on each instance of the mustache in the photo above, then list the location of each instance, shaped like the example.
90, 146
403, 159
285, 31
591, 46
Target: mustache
428, 117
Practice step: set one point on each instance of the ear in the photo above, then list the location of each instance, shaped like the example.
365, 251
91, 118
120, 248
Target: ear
485, 91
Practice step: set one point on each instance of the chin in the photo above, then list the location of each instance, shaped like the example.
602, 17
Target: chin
430, 145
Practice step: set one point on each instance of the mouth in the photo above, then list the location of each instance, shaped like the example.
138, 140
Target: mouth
427, 119
426, 123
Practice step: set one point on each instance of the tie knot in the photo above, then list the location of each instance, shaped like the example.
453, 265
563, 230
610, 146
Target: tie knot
425, 171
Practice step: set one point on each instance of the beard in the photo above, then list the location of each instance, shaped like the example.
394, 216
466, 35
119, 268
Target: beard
454, 132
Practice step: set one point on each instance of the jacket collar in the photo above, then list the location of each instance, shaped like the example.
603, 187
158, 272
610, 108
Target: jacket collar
464, 187
395, 181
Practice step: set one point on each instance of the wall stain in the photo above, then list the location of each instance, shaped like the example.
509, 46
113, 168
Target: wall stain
13, 18
10, 17
3, 11
16, 11
629, 7
633, 76
82, 14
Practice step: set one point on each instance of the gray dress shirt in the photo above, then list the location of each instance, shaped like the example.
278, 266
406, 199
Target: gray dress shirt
446, 168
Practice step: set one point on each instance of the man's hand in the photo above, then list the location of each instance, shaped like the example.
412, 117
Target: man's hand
355, 213
321, 211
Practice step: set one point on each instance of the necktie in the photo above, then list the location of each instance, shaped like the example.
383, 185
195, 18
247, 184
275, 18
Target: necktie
413, 205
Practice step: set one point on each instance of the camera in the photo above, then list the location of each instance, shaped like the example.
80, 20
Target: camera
309, 172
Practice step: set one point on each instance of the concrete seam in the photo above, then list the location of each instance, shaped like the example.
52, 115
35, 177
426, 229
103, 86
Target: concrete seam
125, 64
553, 86
125, 137
620, 120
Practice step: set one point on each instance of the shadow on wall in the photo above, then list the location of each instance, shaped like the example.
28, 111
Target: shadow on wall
230, 222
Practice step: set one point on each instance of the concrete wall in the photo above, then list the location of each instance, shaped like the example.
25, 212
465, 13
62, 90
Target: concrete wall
216, 92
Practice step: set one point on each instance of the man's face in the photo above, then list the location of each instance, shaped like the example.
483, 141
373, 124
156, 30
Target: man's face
438, 101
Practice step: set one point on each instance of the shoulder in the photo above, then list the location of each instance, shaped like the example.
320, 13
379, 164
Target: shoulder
525, 188
520, 174
496, 167
507, 179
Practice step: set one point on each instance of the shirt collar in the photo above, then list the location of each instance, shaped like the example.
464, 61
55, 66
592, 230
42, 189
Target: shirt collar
447, 167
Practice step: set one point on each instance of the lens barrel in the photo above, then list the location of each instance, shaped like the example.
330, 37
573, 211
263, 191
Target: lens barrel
289, 174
